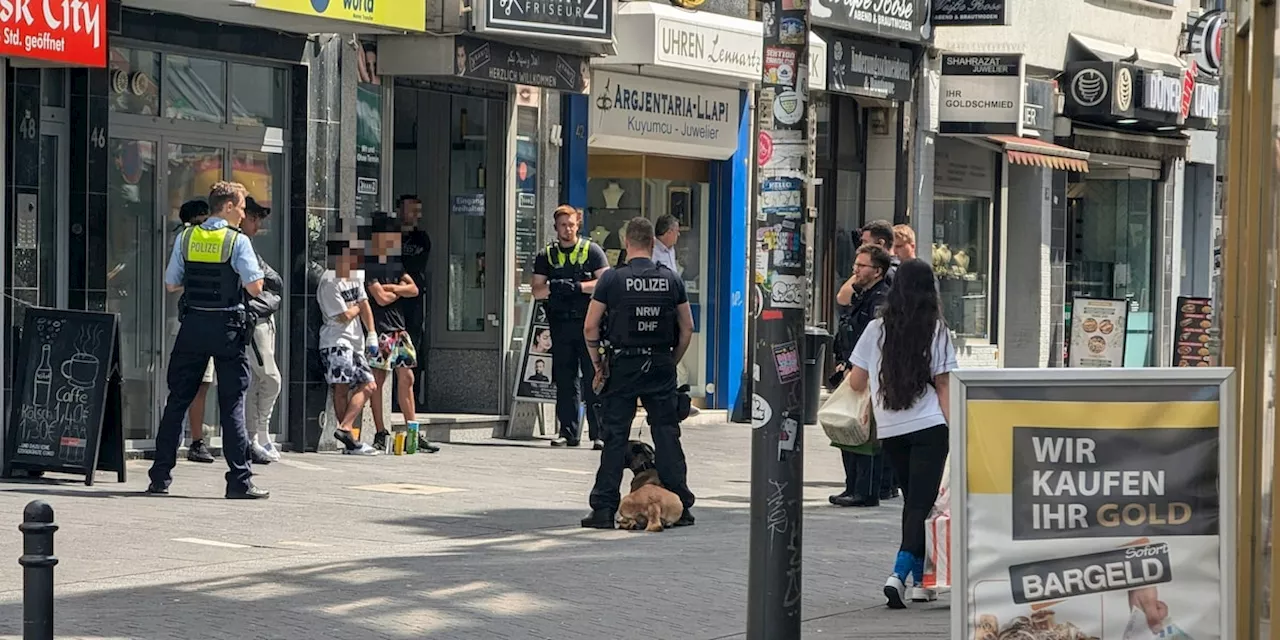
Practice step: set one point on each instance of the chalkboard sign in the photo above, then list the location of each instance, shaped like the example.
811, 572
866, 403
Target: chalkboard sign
533, 382
66, 414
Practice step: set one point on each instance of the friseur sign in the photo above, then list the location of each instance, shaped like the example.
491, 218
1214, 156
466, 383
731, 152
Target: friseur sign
568, 19
511, 64
906, 20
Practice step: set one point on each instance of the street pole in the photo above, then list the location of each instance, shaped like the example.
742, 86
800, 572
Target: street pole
779, 214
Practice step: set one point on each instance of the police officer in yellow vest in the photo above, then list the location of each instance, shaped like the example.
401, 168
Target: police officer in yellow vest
565, 275
215, 267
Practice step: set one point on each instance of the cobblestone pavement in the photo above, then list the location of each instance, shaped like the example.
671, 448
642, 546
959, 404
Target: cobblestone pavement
476, 542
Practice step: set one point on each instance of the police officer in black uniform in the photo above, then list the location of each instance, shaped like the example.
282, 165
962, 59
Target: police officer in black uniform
214, 265
565, 274
647, 324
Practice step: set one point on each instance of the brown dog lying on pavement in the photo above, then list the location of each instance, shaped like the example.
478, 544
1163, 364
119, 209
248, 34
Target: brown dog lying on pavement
649, 506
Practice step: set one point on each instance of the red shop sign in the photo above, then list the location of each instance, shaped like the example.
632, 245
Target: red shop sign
68, 31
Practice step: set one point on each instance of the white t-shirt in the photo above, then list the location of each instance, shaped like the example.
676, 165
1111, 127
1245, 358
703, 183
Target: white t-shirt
926, 412
335, 295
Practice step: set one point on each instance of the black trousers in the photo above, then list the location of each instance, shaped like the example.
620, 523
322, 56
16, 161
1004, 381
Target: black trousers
918, 459
652, 379
572, 372
203, 335
867, 476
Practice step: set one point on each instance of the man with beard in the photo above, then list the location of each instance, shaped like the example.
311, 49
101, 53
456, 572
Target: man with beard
863, 481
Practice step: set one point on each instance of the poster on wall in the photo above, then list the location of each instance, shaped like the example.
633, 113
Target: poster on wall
1195, 345
368, 148
1097, 332
1099, 506
533, 382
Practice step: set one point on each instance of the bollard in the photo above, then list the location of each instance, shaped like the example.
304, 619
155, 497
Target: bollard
37, 568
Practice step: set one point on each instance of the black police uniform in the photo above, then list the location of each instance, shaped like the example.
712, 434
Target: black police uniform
571, 367
214, 324
642, 329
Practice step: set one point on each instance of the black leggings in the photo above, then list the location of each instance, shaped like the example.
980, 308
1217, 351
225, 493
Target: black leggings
918, 459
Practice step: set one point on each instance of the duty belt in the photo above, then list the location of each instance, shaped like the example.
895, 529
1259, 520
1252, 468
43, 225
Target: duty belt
642, 351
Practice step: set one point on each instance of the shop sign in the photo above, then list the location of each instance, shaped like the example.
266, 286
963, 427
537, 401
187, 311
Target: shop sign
1161, 93
534, 383
1100, 89
513, 64
871, 70
719, 51
1096, 505
73, 33
393, 14
577, 19
650, 115
1206, 43
970, 13
1204, 106
1197, 344
368, 147
981, 94
1098, 333
1038, 104
906, 20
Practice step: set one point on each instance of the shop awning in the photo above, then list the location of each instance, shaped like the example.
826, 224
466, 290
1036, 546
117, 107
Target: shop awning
1134, 145
1108, 51
1038, 153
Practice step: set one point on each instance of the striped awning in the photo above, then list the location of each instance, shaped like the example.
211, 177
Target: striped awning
1038, 153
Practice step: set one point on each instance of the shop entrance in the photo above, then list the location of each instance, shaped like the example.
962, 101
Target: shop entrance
450, 150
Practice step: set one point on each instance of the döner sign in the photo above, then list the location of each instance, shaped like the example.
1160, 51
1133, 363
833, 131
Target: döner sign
68, 31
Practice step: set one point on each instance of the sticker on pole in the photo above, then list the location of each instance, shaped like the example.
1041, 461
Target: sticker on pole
761, 412
765, 149
788, 107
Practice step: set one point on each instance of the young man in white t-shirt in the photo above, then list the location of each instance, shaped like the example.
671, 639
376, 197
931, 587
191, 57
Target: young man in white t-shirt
344, 342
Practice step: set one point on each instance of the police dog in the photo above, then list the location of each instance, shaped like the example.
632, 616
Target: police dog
649, 506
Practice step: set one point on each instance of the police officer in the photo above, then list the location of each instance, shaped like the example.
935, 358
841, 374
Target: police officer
214, 266
645, 311
565, 275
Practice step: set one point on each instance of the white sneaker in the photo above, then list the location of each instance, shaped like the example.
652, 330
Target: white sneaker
272, 452
893, 592
362, 450
921, 594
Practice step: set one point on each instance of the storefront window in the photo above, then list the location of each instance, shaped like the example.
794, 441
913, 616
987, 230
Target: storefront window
195, 89
257, 95
467, 180
135, 81
1110, 243
526, 241
961, 260
622, 187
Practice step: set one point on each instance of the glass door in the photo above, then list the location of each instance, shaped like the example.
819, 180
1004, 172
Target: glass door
134, 282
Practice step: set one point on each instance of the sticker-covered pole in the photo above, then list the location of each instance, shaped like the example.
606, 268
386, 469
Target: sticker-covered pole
780, 212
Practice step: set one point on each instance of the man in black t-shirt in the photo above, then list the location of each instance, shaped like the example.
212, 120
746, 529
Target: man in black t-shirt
415, 254
565, 275
389, 288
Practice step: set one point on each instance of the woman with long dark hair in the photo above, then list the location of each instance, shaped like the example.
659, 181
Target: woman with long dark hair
906, 357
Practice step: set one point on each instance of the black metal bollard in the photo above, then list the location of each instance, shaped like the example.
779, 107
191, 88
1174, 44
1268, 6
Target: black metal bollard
37, 568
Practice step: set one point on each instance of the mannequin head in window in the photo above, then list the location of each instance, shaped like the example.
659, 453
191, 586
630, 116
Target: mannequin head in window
567, 219
409, 208
878, 232
667, 230
904, 242
255, 217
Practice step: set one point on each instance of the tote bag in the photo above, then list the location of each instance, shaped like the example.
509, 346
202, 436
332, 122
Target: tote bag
841, 416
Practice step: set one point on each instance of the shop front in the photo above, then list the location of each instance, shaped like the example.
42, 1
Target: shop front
865, 130
44, 65
469, 122
668, 134
1124, 217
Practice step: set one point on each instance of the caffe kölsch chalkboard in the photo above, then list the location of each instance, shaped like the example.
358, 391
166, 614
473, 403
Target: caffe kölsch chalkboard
66, 414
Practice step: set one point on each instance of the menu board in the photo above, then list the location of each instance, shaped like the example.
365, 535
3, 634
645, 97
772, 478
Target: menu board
66, 414
1097, 332
533, 384
1195, 345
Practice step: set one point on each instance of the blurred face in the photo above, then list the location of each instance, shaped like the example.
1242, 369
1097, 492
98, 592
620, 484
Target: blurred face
345, 263
251, 225
864, 273
670, 237
904, 250
567, 229
410, 212
386, 245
